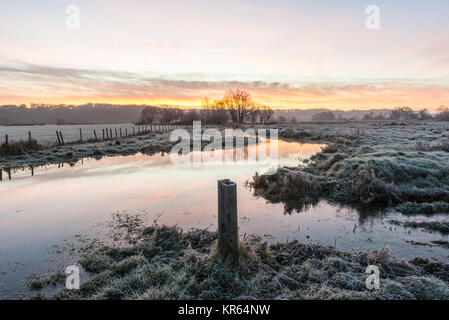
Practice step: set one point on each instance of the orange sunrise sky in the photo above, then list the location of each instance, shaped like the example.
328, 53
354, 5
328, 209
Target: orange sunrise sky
287, 54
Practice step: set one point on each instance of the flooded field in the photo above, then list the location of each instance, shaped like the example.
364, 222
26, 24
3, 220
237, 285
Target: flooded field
60, 201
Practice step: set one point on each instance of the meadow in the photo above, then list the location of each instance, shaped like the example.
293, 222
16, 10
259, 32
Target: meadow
402, 166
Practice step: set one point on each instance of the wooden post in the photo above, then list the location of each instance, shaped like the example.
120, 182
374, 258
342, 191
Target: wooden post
32, 170
1, 174
103, 133
120, 132
9, 173
62, 139
110, 134
95, 134
59, 139
116, 135
227, 218
29, 135
81, 136
6, 139
126, 132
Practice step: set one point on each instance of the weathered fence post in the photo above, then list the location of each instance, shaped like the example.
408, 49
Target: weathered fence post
126, 132
120, 132
116, 135
81, 136
59, 139
29, 135
32, 170
6, 139
62, 139
134, 131
95, 134
110, 134
103, 133
1, 174
227, 218
9, 173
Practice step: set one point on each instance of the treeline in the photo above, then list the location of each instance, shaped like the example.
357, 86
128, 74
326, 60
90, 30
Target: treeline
69, 114
406, 113
236, 106
397, 114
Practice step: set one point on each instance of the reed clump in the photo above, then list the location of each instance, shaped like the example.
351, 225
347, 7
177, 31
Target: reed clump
18, 148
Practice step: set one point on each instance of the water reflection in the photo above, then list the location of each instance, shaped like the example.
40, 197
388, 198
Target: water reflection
59, 201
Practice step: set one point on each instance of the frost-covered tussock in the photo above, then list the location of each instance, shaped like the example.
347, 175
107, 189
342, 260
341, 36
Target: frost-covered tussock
160, 262
386, 165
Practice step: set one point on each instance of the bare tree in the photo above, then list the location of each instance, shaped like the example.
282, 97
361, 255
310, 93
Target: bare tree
424, 114
168, 113
403, 113
265, 114
213, 112
239, 104
189, 116
148, 115
255, 114
443, 113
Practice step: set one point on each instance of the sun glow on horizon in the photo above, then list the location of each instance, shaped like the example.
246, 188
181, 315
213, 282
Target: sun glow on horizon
287, 54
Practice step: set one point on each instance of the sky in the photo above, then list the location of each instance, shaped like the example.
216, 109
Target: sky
287, 54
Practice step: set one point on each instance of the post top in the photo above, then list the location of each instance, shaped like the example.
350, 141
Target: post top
226, 182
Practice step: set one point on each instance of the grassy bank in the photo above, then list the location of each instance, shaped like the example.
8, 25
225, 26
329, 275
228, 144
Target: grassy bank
72, 153
30, 153
401, 165
159, 262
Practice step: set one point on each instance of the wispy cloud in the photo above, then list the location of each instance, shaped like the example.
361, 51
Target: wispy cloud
25, 83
